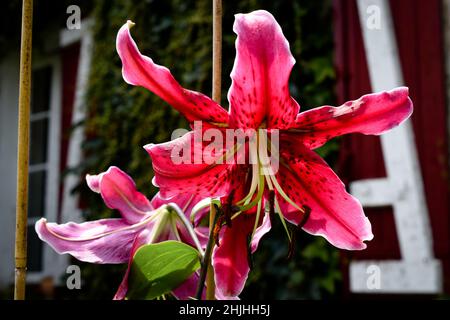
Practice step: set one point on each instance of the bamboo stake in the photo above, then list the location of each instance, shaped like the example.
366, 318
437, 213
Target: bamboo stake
216, 95
210, 284
217, 51
206, 269
23, 151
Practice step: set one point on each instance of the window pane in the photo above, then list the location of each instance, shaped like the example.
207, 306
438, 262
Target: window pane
34, 250
38, 141
36, 197
40, 91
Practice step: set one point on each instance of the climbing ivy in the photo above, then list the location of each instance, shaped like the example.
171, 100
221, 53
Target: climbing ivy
122, 118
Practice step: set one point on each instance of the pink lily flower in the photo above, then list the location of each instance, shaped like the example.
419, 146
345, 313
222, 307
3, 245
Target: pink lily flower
115, 240
259, 98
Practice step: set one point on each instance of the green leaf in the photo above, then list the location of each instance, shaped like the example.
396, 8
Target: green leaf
159, 268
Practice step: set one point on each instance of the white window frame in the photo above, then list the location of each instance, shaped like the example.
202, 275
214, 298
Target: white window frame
52, 263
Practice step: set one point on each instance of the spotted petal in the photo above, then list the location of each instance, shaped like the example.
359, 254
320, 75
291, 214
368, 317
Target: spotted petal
259, 90
374, 113
230, 259
177, 173
335, 214
142, 71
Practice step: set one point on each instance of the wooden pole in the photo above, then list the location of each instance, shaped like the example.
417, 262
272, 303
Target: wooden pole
23, 151
217, 51
216, 95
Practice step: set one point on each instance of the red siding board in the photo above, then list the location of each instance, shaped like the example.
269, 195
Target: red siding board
418, 28
69, 62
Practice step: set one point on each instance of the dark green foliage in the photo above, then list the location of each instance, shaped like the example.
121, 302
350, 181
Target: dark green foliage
47, 15
123, 118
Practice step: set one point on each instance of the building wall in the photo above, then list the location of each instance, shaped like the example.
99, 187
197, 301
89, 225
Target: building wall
418, 30
9, 79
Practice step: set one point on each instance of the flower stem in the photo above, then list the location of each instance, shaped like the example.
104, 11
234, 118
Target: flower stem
22, 152
210, 284
206, 269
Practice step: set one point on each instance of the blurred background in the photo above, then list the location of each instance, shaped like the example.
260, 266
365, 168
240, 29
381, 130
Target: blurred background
84, 118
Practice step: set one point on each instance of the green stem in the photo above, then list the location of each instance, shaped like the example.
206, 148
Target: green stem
206, 262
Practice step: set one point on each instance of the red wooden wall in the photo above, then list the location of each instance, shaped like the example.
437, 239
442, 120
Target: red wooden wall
418, 28
69, 61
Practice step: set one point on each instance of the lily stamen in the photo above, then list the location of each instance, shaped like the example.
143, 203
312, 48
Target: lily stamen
283, 221
258, 214
284, 195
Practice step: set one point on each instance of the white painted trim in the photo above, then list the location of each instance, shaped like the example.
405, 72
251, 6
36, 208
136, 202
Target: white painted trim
39, 115
418, 271
38, 167
68, 37
52, 263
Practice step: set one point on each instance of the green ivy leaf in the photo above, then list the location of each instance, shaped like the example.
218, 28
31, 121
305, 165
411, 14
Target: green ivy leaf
159, 268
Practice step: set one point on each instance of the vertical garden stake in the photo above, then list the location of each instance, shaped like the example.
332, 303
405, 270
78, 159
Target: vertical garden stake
23, 151
216, 95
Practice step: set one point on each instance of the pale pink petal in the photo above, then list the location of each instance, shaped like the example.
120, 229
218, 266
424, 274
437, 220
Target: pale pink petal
101, 241
93, 182
230, 259
220, 296
188, 289
374, 114
186, 203
262, 229
142, 71
259, 90
142, 238
335, 214
119, 192
202, 234
178, 172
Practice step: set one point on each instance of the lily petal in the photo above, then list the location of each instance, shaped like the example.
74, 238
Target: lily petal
230, 259
93, 182
335, 214
101, 241
188, 288
142, 238
186, 202
142, 71
259, 91
173, 176
220, 296
371, 114
261, 231
119, 192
